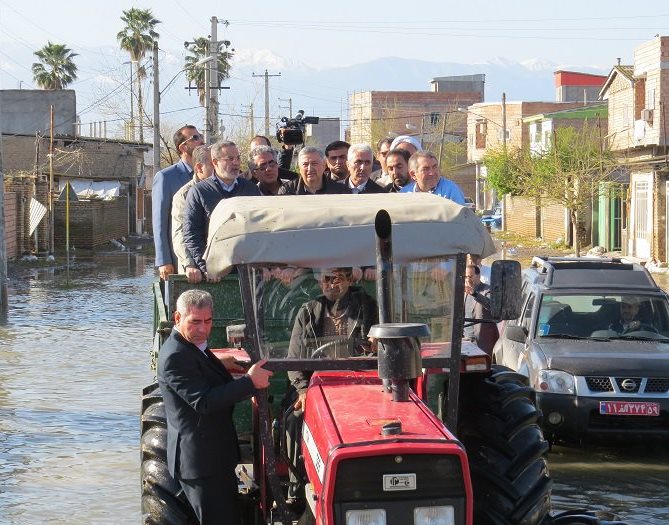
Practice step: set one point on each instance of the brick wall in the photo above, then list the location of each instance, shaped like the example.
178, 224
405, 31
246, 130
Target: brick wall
92, 223
25, 188
10, 211
553, 223
521, 216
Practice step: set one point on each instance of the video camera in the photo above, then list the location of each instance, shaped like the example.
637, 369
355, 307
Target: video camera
291, 130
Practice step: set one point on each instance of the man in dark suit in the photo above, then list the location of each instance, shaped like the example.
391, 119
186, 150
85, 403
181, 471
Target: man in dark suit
477, 306
359, 165
165, 184
199, 395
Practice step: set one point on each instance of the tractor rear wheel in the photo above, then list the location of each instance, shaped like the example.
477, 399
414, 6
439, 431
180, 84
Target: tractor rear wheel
499, 427
163, 500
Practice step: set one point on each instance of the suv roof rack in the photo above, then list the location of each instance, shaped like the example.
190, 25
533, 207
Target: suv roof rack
554, 270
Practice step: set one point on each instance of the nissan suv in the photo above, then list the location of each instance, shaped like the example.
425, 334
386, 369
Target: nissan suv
593, 339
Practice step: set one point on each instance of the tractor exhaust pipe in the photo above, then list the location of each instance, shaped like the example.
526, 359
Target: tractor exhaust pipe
384, 265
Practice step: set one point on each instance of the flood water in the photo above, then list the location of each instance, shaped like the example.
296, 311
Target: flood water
73, 360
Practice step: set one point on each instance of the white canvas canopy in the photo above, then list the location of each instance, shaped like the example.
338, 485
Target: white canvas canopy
320, 231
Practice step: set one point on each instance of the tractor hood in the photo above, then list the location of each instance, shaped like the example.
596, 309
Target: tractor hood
607, 357
321, 231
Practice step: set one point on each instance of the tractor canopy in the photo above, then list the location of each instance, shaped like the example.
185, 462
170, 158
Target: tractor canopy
323, 231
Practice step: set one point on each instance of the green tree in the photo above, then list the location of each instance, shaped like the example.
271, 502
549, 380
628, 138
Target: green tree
199, 50
137, 38
56, 68
570, 173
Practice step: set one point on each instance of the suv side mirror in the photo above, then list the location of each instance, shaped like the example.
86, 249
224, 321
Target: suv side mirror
505, 298
515, 333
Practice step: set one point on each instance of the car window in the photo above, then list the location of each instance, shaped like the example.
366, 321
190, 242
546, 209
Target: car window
527, 314
602, 315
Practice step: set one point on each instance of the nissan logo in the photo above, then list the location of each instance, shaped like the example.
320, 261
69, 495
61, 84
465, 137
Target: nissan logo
628, 384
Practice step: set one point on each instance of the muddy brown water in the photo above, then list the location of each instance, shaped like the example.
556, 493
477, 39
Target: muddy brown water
74, 356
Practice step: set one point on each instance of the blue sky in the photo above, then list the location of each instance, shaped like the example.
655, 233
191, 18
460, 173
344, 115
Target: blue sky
572, 34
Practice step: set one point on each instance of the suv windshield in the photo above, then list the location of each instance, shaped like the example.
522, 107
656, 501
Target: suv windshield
327, 312
625, 316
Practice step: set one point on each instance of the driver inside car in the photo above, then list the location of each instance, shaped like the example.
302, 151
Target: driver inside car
332, 325
629, 317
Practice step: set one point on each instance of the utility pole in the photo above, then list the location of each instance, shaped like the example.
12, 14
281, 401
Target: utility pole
156, 110
505, 159
51, 217
290, 106
249, 114
266, 75
4, 296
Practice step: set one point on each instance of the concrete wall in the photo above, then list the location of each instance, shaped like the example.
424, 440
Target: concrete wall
26, 111
320, 135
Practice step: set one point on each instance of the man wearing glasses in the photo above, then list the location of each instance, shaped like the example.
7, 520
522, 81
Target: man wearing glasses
425, 175
205, 195
165, 184
264, 168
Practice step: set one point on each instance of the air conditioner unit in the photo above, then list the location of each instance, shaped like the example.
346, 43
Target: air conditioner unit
647, 115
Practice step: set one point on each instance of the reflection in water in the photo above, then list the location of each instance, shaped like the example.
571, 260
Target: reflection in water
73, 359
629, 479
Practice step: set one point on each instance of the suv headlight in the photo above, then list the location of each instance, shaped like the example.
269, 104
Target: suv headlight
555, 382
434, 515
366, 517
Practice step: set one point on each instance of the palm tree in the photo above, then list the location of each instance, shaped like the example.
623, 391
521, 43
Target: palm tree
137, 38
199, 50
55, 69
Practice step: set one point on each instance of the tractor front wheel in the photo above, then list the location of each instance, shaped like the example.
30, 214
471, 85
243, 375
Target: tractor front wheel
499, 427
163, 500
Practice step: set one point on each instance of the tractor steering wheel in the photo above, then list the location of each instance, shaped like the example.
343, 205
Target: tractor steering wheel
329, 349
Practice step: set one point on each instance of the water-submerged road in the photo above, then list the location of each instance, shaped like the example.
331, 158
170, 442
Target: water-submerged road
74, 357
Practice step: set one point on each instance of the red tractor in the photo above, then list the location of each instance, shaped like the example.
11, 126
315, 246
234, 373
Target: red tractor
421, 429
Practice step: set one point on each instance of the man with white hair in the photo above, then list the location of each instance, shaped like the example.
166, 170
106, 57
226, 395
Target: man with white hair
426, 177
359, 162
312, 181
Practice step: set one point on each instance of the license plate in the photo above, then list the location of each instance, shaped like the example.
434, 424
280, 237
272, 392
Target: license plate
629, 408
392, 482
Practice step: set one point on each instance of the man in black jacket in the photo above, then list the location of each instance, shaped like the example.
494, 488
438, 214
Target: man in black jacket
205, 195
199, 395
312, 180
359, 164
340, 318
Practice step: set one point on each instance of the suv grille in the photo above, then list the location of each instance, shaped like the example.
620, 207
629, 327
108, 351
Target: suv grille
654, 385
657, 385
599, 384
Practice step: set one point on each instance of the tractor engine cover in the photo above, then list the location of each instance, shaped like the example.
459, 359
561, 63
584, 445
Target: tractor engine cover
415, 466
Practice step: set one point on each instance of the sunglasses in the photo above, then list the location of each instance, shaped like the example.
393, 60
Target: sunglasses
192, 137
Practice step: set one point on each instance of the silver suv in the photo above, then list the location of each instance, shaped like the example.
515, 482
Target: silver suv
593, 339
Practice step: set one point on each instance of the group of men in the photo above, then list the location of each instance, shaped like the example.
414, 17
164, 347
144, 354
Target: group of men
197, 386
185, 194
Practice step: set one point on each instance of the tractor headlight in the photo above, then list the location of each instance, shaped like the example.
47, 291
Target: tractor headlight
366, 517
434, 515
555, 382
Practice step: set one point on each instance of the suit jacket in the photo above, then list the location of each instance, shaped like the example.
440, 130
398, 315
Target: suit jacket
485, 335
199, 395
165, 184
201, 201
370, 187
297, 187
178, 211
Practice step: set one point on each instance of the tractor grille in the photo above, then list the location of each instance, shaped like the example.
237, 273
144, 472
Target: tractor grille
599, 384
654, 385
437, 476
